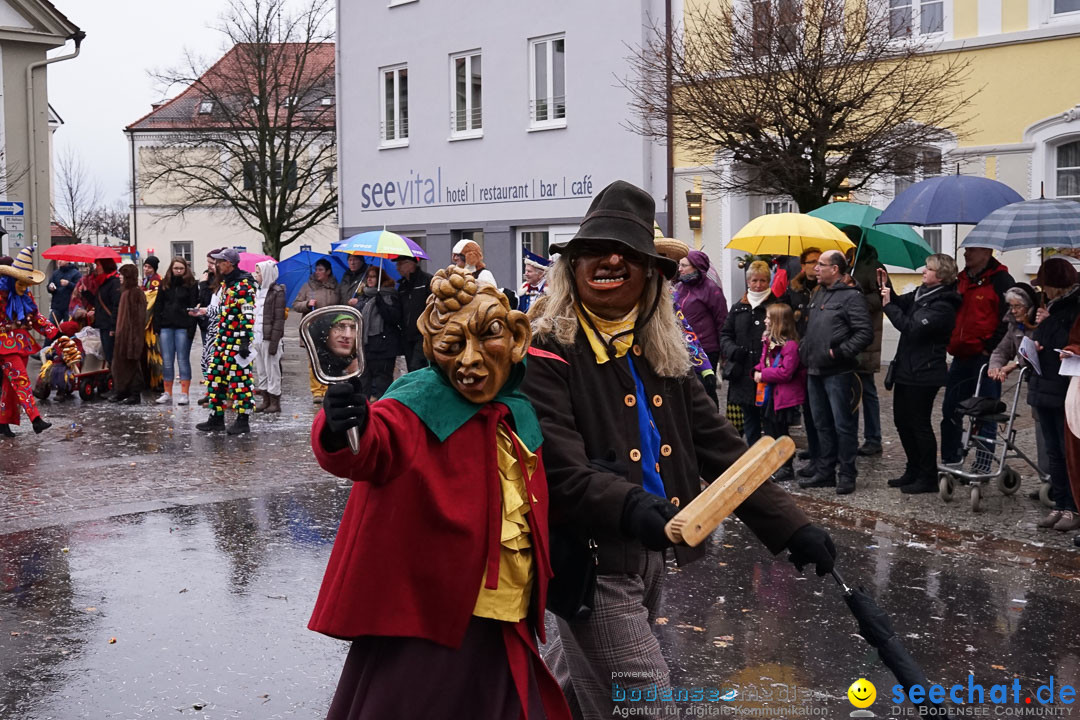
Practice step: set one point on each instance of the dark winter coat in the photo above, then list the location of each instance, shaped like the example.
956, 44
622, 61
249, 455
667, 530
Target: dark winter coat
171, 307
273, 317
350, 284
1048, 389
839, 322
865, 276
107, 304
925, 325
696, 442
740, 342
62, 295
798, 297
385, 345
414, 293
705, 308
979, 325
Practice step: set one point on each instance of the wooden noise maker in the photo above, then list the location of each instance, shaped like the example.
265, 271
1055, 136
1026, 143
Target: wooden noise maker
696, 521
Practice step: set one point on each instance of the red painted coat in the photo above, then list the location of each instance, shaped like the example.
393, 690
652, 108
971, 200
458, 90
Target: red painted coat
15, 338
421, 524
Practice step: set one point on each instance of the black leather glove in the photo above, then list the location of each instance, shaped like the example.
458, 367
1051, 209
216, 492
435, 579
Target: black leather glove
244, 350
812, 545
644, 517
709, 381
344, 406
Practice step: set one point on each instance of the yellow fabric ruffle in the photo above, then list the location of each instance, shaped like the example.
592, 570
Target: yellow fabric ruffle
608, 329
510, 600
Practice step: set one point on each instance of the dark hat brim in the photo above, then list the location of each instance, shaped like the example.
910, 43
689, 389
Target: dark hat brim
667, 266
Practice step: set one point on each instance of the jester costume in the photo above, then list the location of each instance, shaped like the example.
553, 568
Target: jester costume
153, 364
18, 316
230, 363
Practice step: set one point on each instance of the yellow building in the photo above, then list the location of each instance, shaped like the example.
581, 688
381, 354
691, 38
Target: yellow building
1024, 128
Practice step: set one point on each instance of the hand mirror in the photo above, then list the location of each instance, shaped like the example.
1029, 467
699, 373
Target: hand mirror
332, 337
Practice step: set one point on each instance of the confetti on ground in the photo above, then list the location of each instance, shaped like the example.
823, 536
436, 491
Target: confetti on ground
723, 640
661, 621
112, 641
695, 628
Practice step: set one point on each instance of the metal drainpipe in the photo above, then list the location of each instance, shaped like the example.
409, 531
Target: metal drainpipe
31, 128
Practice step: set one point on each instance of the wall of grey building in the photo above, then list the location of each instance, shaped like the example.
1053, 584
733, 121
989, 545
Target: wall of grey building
572, 163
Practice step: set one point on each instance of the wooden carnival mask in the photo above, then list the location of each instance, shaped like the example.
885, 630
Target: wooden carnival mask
472, 335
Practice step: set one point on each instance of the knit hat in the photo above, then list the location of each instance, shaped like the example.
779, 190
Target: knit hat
1056, 272
22, 268
152, 261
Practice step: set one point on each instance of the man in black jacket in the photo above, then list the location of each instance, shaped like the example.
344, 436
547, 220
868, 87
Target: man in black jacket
838, 330
61, 285
413, 290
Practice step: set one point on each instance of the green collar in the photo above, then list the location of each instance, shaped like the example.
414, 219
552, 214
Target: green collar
443, 409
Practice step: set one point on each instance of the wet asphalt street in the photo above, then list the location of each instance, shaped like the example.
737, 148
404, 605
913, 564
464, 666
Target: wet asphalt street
201, 556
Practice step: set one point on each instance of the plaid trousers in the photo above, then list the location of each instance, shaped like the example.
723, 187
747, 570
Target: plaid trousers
615, 646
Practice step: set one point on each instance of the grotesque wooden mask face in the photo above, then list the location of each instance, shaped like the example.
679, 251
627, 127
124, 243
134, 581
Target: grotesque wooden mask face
472, 335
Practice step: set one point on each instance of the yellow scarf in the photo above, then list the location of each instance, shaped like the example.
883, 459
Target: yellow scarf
608, 329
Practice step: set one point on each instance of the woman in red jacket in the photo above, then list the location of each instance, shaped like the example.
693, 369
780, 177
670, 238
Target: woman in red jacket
440, 568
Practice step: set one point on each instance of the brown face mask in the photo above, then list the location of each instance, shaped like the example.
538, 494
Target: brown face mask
472, 335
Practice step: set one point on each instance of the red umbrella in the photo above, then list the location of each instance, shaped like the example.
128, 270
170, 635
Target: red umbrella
81, 253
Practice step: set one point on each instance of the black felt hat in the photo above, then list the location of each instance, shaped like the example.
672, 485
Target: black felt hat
622, 213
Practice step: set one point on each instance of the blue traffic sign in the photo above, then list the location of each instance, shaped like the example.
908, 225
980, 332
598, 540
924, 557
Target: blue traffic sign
11, 208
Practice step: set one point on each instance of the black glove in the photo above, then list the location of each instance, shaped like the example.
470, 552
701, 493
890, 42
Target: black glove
812, 545
644, 517
345, 407
709, 381
244, 350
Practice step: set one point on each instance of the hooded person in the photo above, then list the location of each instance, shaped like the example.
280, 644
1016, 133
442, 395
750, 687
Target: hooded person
18, 316
129, 339
269, 330
620, 463
468, 255
471, 604
699, 295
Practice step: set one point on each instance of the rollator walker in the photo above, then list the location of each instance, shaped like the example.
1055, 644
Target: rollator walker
991, 454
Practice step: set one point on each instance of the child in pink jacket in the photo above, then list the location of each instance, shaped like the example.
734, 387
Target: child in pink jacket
780, 377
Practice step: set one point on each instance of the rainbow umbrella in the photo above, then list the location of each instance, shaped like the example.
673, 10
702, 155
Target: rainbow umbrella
381, 243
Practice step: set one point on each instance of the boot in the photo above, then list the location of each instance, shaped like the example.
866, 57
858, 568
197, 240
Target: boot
785, 473
899, 482
41, 425
274, 406
5, 430
921, 485
265, 398
204, 400
845, 485
240, 426
214, 423
820, 480
1069, 521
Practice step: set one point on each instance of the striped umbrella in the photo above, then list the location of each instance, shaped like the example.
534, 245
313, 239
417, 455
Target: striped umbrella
380, 243
1042, 223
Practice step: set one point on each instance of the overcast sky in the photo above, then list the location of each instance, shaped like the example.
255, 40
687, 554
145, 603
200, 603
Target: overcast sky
107, 87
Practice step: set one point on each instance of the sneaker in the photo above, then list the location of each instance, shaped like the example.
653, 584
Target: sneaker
1069, 521
183, 399
164, 399
1051, 519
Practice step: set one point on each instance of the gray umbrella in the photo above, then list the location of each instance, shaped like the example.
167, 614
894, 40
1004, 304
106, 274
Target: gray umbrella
1042, 223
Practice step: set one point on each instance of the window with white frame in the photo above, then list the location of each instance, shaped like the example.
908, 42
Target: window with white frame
909, 18
394, 102
1067, 171
466, 110
772, 207
776, 26
1062, 7
917, 165
183, 250
547, 86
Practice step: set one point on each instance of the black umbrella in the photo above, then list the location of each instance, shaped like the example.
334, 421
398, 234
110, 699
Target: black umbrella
876, 628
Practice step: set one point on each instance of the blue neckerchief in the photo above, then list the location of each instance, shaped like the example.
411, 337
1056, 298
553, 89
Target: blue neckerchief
650, 439
19, 307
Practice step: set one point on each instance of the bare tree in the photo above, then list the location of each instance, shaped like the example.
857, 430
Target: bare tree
802, 95
111, 222
77, 195
261, 139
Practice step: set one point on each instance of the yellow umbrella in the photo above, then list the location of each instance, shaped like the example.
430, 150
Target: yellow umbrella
789, 234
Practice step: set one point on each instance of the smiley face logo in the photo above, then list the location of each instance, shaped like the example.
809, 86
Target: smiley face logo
862, 693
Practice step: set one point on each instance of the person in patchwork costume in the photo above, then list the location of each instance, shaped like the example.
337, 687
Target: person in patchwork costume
18, 316
230, 365
61, 364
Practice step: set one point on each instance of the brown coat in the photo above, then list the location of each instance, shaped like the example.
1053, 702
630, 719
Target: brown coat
273, 318
130, 340
696, 442
323, 293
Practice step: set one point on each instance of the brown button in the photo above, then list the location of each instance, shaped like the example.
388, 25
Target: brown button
637, 350
630, 400
657, 400
635, 454
675, 501
665, 450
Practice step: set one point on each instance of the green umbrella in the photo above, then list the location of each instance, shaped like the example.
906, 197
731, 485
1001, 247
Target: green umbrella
897, 245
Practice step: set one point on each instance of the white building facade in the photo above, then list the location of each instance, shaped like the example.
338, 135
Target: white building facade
495, 122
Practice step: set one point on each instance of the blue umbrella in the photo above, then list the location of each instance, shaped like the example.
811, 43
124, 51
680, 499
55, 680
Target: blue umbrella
1038, 223
948, 199
294, 271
